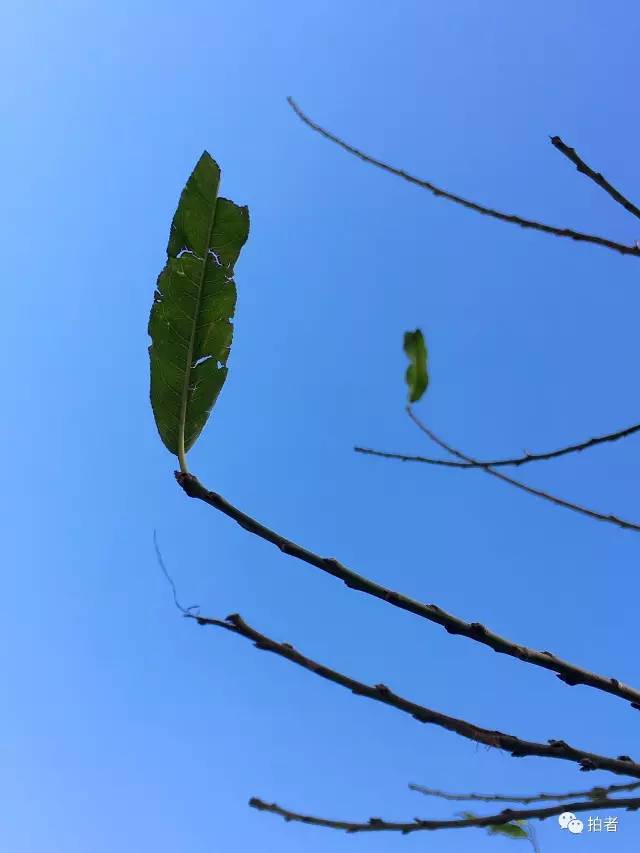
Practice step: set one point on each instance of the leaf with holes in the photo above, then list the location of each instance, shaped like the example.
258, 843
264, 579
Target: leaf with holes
191, 318
417, 376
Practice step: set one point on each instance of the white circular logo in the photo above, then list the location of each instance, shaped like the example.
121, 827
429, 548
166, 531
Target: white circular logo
565, 819
576, 826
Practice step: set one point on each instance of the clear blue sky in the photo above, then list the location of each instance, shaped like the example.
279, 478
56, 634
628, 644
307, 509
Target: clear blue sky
126, 728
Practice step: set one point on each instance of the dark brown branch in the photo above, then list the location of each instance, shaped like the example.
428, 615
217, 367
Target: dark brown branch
471, 205
498, 463
599, 179
515, 746
567, 672
597, 793
583, 510
376, 824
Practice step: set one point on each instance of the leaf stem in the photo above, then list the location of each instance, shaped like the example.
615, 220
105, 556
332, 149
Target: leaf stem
182, 458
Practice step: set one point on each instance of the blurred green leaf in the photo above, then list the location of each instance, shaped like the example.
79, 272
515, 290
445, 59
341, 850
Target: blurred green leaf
417, 376
515, 829
190, 324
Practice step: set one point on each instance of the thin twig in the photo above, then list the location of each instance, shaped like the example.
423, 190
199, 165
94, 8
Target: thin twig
471, 205
376, 824
498, 463
599, 179
583, 510
532, 836
515, 746
597, 793
567, 672
186, 611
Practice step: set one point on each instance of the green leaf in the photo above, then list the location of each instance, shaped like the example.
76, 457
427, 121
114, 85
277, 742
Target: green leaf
512, 830
190, 324
417, 376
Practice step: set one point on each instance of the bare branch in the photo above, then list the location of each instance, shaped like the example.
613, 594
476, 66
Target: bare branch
599, 179
597, 793
515, 746
498, 463
567, 672
376, 824
471, 205
598, 516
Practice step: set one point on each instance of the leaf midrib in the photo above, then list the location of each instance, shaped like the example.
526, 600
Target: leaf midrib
187, 374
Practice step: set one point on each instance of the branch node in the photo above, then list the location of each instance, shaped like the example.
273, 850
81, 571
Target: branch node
568, 679
187, 482
560, 745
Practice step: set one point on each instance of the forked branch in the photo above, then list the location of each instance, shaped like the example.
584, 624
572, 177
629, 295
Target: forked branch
582, 510
500, 463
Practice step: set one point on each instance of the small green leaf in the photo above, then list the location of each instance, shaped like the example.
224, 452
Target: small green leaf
417, 376
190, 323
512, 830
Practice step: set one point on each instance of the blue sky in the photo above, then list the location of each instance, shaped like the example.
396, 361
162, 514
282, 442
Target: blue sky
127, 728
